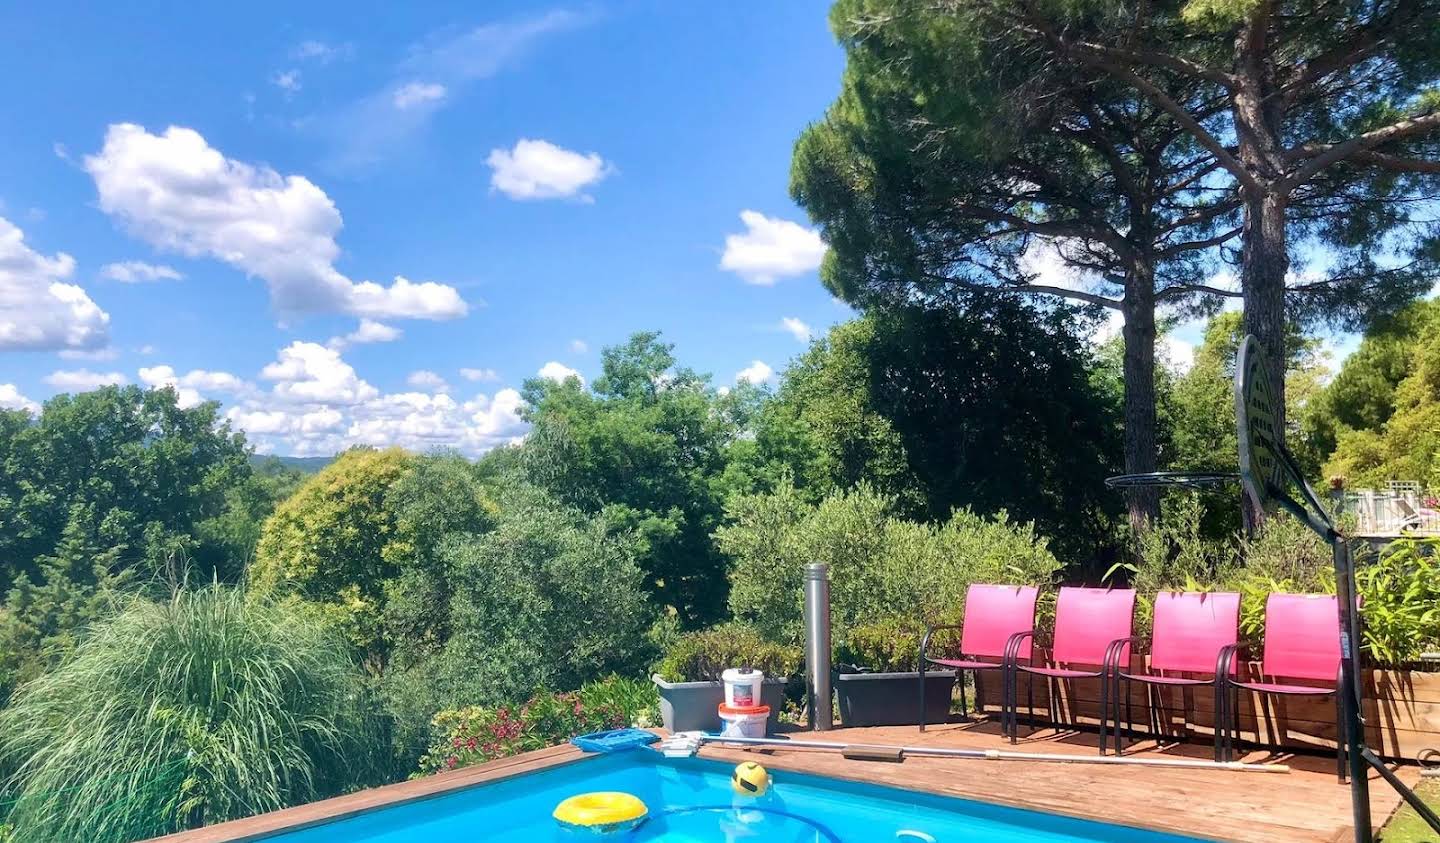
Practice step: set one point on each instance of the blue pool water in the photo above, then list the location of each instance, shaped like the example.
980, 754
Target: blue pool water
691, 801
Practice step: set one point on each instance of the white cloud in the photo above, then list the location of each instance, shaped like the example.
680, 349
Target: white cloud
11, 399
307, 372
415, 420
178, 193
413, 94
367, 332
39, 310
83, 380
287, 81
758, 372
211, 381
579, 346
480, 375
135, 272
771, 249
320, 51
99, 354
1178, 353
558, 372
428, 381
537, 169
799, 330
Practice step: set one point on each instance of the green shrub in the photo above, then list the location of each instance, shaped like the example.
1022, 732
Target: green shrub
702, 656
880, 565
193, 711
888, 646
1401, 601
476, 734
548, 599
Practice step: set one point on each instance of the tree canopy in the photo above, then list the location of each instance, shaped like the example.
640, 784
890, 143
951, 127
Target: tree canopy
1393, 433
127, 468
646, 446
991, 407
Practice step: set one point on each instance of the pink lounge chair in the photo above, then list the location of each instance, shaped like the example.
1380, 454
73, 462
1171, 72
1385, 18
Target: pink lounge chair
1302, 644
994, 615
1092, 637
1193, 633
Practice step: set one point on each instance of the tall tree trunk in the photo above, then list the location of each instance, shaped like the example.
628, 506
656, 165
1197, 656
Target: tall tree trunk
1138, 308
1265, 256
1266, 260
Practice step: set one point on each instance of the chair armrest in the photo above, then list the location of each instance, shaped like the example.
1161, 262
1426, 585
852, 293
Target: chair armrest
1012, 647
1113, 651
1225, 662
925, 641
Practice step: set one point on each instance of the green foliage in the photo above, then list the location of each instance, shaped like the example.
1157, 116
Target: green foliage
42, 621
1362, 395
880, 565
1406, 444
551, 598
140, 472
1177, 555
205, 708
891, 645
929, 406
1400, 593
475, 734
646, 447
440, 498
227, 541
328, 543
1203, 414
703, 655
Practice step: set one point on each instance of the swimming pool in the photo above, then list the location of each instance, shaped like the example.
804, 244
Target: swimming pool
691, 801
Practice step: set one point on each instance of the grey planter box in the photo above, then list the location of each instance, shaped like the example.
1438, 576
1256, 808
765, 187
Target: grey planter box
694, 706
893, 699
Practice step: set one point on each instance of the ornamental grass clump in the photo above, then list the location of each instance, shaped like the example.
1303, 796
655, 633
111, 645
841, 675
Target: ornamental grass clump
185, 713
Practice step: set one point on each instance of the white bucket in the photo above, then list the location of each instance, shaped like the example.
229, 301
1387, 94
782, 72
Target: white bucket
744, 724
742, 687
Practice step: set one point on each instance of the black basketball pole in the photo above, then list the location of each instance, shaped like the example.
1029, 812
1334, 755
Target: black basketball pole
1351, 690
1268, 471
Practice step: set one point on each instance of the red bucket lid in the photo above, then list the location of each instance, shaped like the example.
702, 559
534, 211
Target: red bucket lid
743, 709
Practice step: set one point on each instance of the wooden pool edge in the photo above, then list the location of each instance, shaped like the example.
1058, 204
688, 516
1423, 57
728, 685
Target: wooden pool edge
335, 809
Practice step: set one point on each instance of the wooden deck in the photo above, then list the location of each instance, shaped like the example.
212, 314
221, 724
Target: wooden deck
1307, 804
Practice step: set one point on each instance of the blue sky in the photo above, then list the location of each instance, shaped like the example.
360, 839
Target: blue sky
370, 223
545, 179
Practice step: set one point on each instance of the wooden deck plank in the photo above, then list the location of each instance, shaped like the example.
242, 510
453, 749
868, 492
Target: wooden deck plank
1306, 805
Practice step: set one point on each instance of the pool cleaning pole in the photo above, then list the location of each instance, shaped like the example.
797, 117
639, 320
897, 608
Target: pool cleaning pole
1003, 755
817, 645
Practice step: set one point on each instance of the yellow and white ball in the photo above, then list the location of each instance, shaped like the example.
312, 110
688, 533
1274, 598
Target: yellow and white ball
750, 779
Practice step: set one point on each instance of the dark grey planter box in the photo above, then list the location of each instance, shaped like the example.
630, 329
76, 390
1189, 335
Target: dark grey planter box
695, 706
893, 699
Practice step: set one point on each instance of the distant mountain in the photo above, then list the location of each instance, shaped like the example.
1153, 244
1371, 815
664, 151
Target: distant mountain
309, 465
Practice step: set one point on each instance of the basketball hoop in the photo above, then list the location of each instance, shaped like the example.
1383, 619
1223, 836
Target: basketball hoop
1199, 480
1270, 474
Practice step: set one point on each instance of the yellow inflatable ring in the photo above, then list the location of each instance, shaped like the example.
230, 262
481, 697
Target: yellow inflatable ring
602, 812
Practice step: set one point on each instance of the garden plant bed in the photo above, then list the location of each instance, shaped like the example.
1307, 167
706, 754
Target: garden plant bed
1402, 710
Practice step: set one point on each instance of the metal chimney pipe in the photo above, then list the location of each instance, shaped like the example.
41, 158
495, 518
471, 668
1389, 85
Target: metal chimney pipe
817, 645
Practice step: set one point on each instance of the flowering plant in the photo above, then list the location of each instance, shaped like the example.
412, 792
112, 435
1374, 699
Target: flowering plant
475, 734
